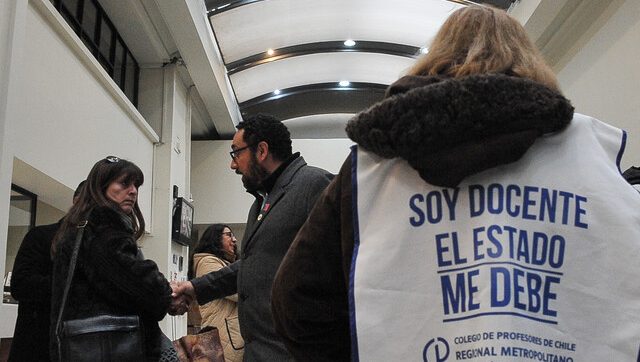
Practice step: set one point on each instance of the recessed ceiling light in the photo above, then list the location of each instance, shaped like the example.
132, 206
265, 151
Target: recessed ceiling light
424, 50
349, 43
344, 83
270, 51
276, 92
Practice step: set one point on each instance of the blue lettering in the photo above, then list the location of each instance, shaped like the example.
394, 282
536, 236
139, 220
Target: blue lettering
534, 282
539, 248
549, 295
580, 211
451, 299
476, 209
441, 249
548, 203
494, 229
523, 246
473, 289
567, 196
526, 293
528, 202
495, 198
556, 251
451, 202
420, 215
456, 251
511, 231
518, 289
477, 243
498, 300
515, 211
434, 214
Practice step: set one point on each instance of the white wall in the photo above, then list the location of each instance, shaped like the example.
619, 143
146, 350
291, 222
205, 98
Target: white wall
61, 116
171, 166
218, 192
603, 78
59, 103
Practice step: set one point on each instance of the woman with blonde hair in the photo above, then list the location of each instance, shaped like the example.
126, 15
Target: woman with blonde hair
483, 40
472, 220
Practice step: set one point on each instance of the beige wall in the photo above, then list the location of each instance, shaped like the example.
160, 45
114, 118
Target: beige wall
218, 194
603, 78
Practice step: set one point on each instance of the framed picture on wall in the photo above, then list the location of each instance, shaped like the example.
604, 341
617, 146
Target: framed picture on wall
182, 223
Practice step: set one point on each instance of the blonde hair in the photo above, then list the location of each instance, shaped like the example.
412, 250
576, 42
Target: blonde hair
480, 40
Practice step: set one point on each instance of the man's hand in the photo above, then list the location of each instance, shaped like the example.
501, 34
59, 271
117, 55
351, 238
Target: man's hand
182, 295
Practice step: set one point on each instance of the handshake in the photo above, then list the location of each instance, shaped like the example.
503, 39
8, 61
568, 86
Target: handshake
182, 296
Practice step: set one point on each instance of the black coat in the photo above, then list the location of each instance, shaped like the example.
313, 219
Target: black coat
31, 287
110, 278
270, 230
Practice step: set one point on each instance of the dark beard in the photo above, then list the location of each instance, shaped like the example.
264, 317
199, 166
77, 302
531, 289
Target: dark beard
253, 179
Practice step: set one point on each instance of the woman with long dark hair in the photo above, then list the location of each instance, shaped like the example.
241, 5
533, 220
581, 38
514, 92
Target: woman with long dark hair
216, 250
111, 277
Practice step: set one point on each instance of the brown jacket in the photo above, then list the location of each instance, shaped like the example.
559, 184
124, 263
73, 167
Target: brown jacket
221, 313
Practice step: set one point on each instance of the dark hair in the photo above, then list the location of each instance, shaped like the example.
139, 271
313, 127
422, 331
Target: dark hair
93, 194
211, 240
76, 193
263, 127
210, 243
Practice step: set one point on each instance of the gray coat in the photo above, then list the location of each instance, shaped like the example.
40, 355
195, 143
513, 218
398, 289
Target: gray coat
270, 230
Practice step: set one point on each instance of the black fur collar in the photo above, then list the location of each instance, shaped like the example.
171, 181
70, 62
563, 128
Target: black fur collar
448, 129
102, 216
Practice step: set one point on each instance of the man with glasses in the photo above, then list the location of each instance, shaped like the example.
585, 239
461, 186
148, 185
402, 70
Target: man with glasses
285, 188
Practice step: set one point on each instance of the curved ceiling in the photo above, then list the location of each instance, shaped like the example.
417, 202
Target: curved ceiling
230, 70
308, 59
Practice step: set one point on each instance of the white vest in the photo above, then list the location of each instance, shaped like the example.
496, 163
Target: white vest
538, 260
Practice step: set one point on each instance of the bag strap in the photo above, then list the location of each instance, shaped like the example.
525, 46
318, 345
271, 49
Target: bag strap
67, 286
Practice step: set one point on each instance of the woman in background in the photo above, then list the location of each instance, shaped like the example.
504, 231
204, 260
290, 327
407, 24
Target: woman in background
110, 276
216, 250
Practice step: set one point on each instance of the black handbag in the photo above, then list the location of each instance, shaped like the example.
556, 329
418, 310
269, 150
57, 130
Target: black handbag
98, 338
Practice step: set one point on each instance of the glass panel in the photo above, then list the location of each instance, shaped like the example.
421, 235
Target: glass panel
21, 220
70, 18
105, 64
117, 64
71, 6
99, 35
89, 44
89, 16
130, 78
106, 37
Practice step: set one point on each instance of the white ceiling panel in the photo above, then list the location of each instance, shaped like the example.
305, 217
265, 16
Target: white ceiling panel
318, 68
330, 125
254, 28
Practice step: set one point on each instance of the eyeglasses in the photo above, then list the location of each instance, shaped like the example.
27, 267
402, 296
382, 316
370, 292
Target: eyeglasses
234, 153
228, 233
112, 159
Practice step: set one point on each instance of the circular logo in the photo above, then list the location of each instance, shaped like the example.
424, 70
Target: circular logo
436, 350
